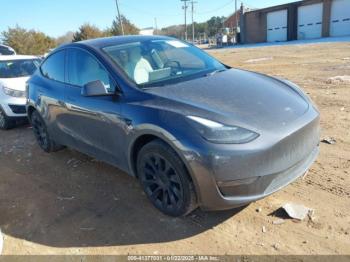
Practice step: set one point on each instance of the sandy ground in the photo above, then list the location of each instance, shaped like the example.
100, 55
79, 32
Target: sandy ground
67, 203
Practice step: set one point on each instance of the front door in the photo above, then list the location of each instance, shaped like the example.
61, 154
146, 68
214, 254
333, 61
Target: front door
93, 123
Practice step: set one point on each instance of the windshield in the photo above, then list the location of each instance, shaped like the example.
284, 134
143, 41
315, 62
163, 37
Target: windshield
18, 68
5, 50
159, 62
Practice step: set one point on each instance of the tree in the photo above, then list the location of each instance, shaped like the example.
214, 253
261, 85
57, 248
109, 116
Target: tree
210, 28
174, 31
214, 24
65, 39
88, 31
29, 42
129, 28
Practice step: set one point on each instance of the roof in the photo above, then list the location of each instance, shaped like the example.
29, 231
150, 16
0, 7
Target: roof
270, 8
117, 40
16, 57
238, 12
6, 46
227, 18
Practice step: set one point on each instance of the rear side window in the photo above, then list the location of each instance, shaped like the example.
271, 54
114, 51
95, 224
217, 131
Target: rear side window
53, 67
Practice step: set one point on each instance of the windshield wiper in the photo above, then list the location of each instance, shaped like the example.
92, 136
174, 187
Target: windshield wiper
180, 78
215, 72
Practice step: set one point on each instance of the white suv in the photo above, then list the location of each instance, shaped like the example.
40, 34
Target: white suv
6, 50
15, 70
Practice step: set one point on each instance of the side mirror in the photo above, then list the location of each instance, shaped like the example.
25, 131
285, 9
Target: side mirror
94, 88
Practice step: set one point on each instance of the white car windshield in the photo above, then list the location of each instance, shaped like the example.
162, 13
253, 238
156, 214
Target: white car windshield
6, 50
160, 62
18, 68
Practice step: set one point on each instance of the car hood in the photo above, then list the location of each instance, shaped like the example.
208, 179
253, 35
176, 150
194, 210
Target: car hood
15, 83
237, 97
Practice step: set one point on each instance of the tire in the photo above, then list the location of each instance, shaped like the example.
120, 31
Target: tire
164, 179
5, 121
42, 135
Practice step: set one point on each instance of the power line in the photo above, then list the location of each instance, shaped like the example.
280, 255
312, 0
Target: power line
154, 14
145, 12
216, 9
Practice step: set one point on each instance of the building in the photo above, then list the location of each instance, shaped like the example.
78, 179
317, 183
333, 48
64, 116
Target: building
230, 22
308, 19
147, 31
230, 33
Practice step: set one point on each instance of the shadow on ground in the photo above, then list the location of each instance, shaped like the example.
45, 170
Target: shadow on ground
67, 199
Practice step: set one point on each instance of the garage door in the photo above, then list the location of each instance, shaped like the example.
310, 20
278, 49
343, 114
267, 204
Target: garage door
277, 26
310, 21
340, 18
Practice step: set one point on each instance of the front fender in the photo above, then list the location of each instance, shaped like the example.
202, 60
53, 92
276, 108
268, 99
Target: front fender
153, 130
148, 130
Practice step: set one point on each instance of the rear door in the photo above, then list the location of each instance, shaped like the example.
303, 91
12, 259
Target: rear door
50, 93
93, 123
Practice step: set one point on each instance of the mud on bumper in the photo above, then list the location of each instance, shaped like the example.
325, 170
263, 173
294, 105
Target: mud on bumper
242, 192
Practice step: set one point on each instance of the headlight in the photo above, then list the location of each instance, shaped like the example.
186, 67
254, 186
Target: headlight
13, 93
221, 134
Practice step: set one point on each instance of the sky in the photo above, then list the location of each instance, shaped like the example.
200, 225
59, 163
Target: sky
56, 17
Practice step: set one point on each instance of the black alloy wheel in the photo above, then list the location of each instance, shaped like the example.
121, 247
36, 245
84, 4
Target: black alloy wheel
165, 180
41, 134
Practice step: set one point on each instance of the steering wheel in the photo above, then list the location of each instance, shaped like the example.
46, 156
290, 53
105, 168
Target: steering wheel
174, 65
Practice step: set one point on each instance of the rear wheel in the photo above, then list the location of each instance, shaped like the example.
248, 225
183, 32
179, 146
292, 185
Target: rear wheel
165, 180
41, 134
5, 121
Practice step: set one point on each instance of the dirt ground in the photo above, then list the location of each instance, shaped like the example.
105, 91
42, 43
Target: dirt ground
68, 203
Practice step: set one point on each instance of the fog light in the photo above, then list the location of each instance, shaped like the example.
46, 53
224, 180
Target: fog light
233, 183
241, 187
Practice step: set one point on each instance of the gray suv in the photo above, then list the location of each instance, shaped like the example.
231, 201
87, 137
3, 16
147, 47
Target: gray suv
194, 131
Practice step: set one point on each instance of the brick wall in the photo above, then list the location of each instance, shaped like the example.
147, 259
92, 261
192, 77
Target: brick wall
253, 27
231, 21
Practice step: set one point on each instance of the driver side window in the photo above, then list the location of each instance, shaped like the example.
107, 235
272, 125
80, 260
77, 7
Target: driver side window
83, 68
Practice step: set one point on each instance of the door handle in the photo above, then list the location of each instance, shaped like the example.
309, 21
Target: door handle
61, 103
127, 121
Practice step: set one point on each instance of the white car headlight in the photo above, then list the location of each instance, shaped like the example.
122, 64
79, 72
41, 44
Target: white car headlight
13, 92
221, 134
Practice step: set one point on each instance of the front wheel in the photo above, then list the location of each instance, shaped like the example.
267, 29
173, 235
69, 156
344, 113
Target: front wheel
165, 180
41, 134
5, 121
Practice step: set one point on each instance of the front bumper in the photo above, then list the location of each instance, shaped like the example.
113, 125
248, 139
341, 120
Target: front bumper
13, 106
228, 176
244, 193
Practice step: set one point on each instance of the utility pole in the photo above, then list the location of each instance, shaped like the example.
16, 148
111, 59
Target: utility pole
119, 17
185, 8
192, 3
236, 15
156, 25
